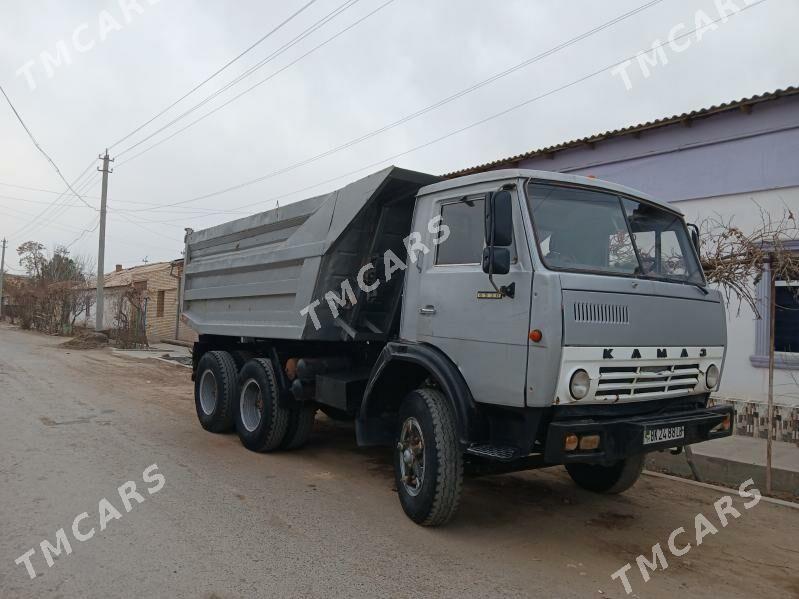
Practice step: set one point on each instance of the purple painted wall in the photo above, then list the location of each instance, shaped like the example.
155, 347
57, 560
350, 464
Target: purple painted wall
732, 152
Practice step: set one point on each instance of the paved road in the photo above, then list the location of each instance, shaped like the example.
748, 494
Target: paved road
321, 522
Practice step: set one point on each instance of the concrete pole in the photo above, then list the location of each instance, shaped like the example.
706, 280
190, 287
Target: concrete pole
2, 276
98, 326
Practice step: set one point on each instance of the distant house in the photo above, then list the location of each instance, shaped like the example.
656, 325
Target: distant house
147, 298
8, 299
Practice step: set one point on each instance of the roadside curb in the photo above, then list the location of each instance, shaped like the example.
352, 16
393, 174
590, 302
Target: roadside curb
727, 470
695, 483
170, 362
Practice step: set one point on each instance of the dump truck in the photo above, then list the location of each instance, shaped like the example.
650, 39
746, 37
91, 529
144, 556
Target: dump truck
495, 322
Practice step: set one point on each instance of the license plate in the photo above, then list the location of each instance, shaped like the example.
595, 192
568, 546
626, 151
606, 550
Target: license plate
663, 434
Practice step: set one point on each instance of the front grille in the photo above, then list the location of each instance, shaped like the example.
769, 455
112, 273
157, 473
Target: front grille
601, 313
624, 382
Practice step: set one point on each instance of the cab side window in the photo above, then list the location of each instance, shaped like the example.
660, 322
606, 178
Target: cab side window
466, 232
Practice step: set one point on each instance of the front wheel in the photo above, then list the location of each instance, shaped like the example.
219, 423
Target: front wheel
428, 463
613, 479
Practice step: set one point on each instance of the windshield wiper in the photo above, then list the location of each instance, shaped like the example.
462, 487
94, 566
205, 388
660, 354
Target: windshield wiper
698, 286
654, 277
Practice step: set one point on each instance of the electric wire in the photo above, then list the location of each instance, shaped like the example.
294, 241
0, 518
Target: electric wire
35, 221
472, 125
327, 18
40, 148
443, 101
215, 73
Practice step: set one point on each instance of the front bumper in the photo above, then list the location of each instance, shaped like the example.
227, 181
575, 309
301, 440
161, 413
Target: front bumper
621, 438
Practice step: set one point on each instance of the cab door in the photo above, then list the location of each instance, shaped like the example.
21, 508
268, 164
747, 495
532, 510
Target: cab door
458, 310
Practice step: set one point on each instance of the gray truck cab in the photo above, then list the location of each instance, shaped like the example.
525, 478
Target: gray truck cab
599, 302
501, 321
609, 305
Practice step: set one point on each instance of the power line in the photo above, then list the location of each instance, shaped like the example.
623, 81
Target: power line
38, 147
35, 220
29, 201
327, 18
17, 212
461, 129
448, 99
51, 191
133, 202
59, 206
84, 232
214, 74
133, 222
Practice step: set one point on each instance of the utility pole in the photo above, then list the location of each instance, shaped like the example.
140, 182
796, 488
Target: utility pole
98, 326
2, 275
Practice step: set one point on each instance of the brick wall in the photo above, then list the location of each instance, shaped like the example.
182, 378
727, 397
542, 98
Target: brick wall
162, 288
184, 332
187, 334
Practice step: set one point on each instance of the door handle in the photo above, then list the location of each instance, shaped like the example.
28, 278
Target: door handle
428, 310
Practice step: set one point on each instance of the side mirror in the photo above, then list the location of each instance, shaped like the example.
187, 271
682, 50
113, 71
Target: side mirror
498, 219
496, 260
694, 236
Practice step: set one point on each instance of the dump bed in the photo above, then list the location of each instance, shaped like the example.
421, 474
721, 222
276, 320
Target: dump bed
251, 277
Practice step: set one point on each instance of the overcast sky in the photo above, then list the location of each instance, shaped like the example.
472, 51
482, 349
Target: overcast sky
406, 56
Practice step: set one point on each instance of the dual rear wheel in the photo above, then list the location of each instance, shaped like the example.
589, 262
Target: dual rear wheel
247, 400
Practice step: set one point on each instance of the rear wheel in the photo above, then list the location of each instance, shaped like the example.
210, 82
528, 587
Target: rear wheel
613, 479
241, 357
301, 422
261, 422
215, 391
428, 463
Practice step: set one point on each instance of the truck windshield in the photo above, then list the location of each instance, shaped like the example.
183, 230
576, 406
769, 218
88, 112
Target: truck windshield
588, 230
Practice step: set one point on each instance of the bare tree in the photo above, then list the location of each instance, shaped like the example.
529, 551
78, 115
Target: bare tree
55, 291
736, 260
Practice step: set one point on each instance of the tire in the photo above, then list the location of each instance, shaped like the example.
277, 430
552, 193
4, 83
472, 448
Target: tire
607, 479
433, 500
241, 357
216, 391
301, 422
261, 422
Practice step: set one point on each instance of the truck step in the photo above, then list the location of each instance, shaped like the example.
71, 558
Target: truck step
503, 453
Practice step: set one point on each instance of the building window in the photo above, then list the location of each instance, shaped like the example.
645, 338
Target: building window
466, 232
159, 304
786, 318
786, 323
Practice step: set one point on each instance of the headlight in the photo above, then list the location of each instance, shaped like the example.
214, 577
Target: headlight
579, 384
712, 376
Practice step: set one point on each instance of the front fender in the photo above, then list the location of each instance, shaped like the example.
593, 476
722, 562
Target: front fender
419, 357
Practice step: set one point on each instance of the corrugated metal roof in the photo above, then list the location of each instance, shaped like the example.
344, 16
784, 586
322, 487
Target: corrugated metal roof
743, 103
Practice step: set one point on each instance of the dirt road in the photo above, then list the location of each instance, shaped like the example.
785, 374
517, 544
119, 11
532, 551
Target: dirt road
320, 522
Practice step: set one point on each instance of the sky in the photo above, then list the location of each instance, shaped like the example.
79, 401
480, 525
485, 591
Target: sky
85, 74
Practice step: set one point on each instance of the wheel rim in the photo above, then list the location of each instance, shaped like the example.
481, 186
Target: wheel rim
208, 392
411, 456
251, 405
